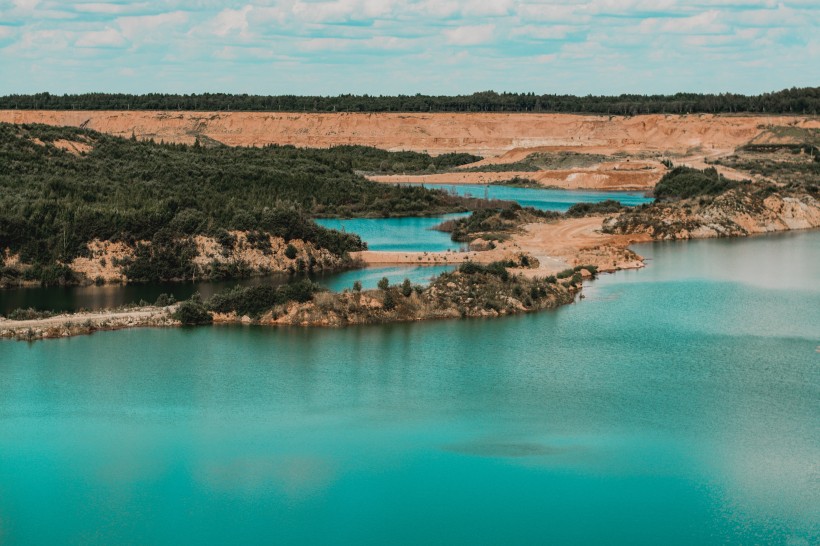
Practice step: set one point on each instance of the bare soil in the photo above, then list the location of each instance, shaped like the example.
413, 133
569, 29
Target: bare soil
483, 134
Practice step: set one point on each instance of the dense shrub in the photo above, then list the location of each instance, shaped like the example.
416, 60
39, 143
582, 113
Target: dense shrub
29, 314
192, 313
165, 259
499, 269
685, 182
608, 206
256, 300
406, 288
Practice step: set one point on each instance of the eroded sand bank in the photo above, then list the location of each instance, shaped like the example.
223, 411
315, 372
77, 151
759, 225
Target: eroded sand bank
485, 134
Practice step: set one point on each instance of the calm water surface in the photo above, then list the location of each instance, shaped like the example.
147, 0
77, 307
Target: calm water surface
679, 404
543, 198
399, 234
74, 298
417, 234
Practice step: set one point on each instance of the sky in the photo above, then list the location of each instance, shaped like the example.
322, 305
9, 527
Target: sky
329, 47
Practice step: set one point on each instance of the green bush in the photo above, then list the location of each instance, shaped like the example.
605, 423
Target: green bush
406, 288
685, 183
256, 300
608, 206
192, 313
164, 300
29, 314
499, 269
389, 300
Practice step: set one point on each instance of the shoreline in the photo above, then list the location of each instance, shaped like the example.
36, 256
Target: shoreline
577, 234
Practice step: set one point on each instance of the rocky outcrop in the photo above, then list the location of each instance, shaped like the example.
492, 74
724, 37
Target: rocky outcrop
453, 295
265, 256
738, 212
239, 253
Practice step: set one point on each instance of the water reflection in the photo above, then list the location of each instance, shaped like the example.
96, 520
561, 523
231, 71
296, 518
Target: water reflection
75, 298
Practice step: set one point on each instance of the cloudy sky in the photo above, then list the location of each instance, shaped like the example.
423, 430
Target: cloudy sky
408, 46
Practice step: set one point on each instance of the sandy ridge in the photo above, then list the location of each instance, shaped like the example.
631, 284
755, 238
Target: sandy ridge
486, 134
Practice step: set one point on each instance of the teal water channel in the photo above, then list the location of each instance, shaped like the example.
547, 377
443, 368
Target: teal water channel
542, 198
404, 234
678, 404
418, 234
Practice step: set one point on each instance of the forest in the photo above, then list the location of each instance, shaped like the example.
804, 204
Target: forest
805, 101
52, 201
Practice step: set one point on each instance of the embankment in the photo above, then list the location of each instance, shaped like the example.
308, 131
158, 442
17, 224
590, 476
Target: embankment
483, 134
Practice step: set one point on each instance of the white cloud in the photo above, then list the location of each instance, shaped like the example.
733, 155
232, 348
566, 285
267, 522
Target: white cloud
366, 37
25, 4
101, 38
539, 13
107, 8
545, 32
6, 32
470, 35
148, 27
232, 21
707, 22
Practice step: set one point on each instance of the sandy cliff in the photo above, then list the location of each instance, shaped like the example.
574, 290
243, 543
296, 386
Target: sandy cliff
482, 134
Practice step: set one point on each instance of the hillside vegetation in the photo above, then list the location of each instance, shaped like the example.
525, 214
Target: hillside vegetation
61, 188
685, 182
788, 101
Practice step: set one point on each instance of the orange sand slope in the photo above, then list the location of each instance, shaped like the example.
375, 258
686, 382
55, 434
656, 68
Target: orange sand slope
482, 134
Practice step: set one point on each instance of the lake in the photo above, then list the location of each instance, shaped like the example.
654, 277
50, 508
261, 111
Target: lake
679, 404
404, 233
542, 198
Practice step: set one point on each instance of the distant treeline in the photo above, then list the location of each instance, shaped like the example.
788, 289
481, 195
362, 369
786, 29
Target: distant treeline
788, 101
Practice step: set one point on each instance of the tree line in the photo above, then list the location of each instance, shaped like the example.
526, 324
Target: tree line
788, 101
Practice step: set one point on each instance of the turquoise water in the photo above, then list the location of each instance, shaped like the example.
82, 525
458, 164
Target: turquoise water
679, 404
399, 234
542, 199
417, 234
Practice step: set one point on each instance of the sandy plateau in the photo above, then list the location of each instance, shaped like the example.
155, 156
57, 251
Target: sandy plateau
499, 138
488, 135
